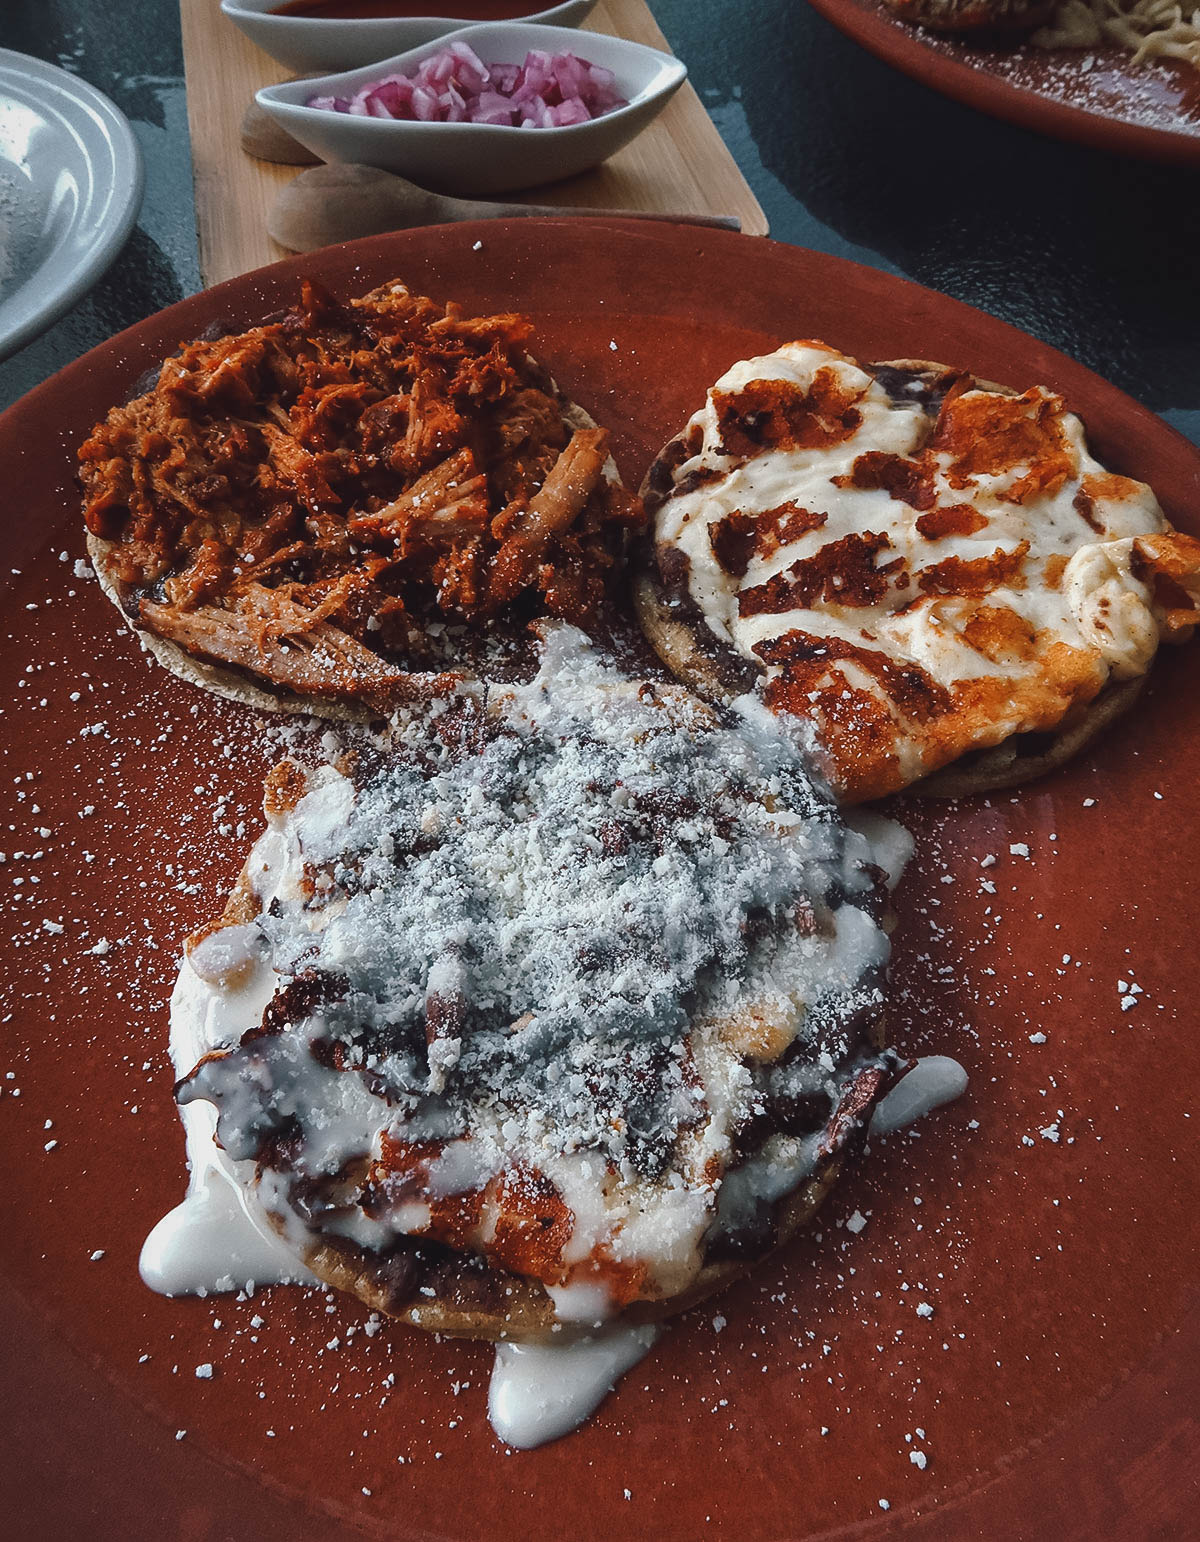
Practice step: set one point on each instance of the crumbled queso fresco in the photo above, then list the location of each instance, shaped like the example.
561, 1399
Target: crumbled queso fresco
585, 916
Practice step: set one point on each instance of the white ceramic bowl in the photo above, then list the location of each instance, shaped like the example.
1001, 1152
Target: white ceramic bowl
320, 43
471, 159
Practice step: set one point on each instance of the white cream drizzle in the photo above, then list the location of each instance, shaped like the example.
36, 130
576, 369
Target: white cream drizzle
581, 1303
218, 1239
540, 1392
211, 1244
934, 1080
1100, 608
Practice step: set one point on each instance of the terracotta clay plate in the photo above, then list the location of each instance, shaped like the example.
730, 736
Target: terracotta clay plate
1093, 96
1008, 1347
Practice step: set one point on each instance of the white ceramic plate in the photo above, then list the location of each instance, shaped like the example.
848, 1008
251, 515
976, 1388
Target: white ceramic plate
480, 159
70, 190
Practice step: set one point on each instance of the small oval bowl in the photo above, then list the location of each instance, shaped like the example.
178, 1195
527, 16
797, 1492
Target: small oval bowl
324, 43
474, 159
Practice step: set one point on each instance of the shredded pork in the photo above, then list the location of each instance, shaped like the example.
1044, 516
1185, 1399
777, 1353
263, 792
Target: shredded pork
320, 501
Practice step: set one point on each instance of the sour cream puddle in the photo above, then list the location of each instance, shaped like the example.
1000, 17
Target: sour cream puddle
934, 1080
540, 1392
218, 1239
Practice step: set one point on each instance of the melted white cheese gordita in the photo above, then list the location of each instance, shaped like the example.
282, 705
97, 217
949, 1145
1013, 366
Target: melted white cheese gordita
917, 588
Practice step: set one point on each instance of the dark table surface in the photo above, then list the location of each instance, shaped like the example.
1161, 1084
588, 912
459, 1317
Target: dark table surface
1097, 254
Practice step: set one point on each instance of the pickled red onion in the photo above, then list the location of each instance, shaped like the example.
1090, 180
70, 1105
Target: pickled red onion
454, 85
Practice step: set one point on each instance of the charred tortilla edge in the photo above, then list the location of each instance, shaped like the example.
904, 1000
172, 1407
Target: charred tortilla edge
528, 1315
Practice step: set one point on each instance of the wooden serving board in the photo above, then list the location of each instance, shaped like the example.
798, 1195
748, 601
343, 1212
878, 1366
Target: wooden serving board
678, 165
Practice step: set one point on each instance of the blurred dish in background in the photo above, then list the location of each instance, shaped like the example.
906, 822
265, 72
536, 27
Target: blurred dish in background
1099, 95
1148, 29
70, 191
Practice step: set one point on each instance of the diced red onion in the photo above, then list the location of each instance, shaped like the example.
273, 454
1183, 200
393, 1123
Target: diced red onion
454, 85
391, 96
504, 77
426, 106
573, 110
